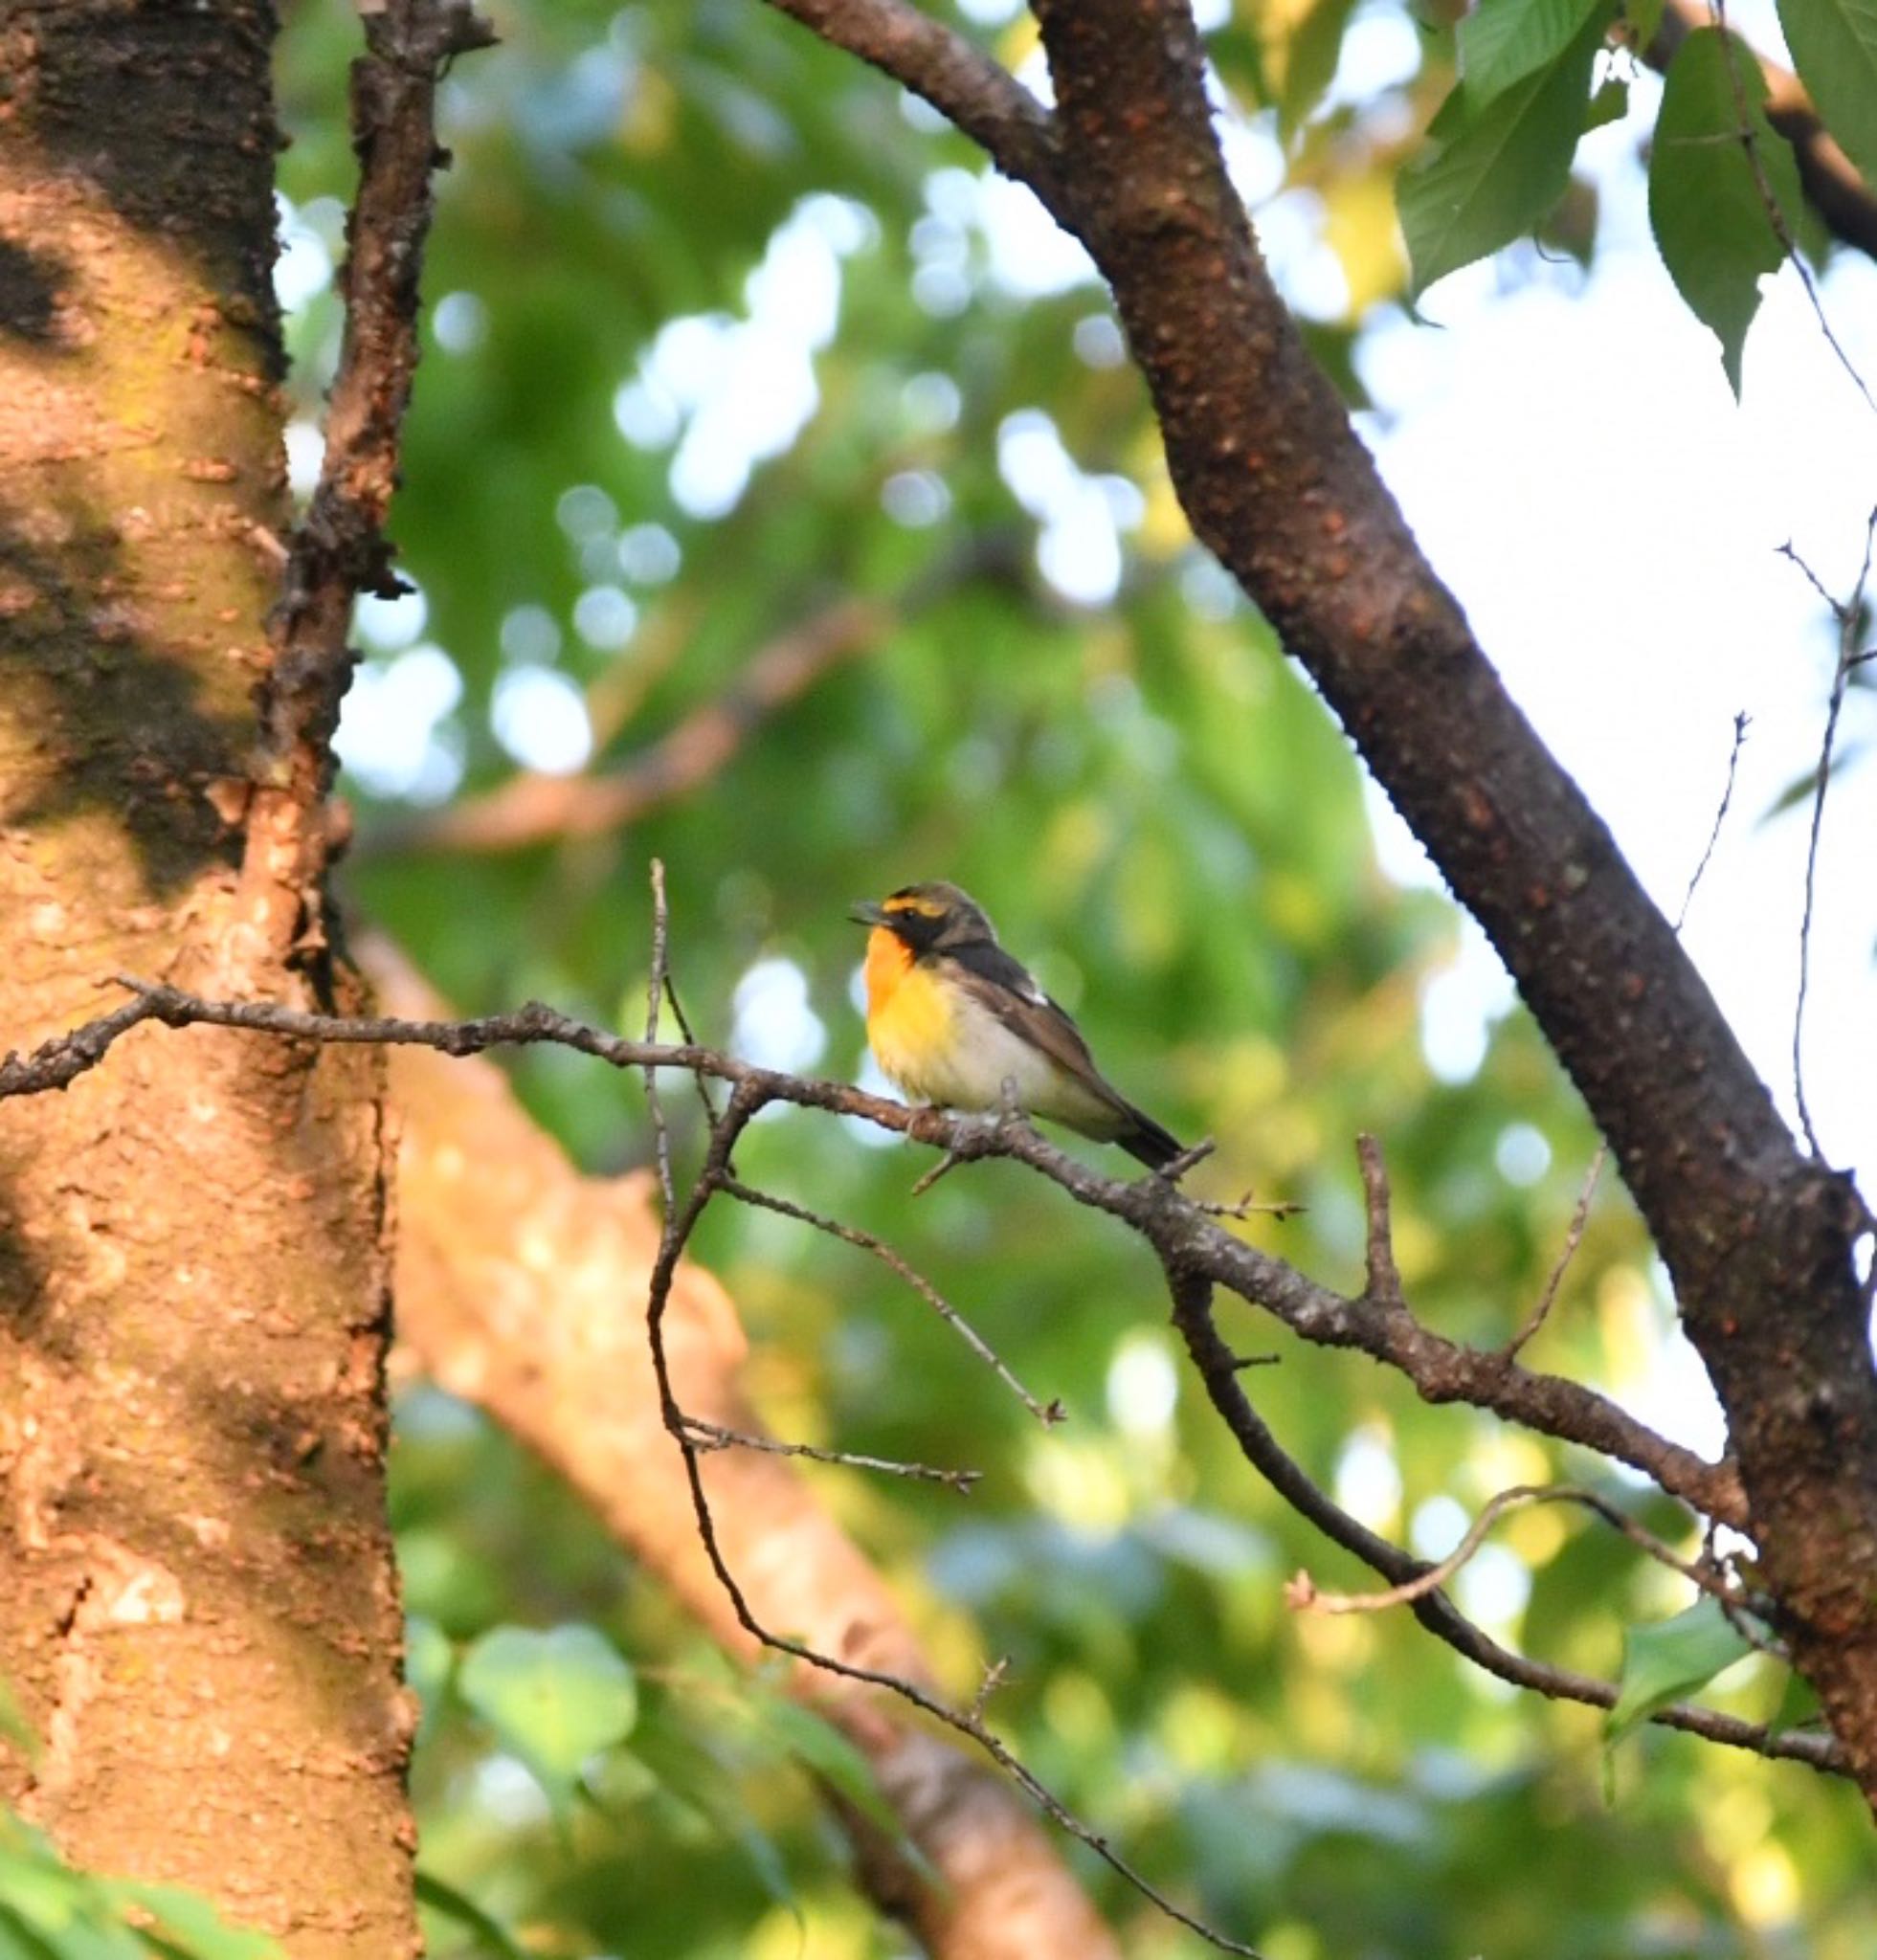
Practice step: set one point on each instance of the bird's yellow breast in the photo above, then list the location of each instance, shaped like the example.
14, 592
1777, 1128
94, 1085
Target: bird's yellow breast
909, 1015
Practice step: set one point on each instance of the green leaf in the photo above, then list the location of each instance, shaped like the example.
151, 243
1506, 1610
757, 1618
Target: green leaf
1798, 1705
1706, 201
491, 1933
1609, 104
823, 1750
1498, 170
428, 1660
194, 1926
1661, 1663
1644, 19
553, 1698
1506, 40
1306, 62
1834, 47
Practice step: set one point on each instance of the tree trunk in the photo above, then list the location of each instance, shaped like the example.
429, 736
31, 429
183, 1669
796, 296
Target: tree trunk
198, 1608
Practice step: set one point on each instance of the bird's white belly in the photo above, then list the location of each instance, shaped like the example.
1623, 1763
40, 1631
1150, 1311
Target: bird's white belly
980, 1056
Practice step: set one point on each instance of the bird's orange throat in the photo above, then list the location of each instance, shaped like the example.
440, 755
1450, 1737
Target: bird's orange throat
889, 959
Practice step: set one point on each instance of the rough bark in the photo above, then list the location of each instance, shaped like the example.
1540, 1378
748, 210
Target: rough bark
1757, 1236
521, 1287
1761, 1238
198, 1608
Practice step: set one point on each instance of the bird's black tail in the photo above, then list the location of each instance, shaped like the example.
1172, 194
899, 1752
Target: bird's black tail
1146, 1140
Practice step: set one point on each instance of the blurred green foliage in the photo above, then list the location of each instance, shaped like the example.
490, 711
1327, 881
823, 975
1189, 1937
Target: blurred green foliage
724, 329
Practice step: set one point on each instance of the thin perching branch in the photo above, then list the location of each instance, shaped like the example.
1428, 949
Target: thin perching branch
1178, 1228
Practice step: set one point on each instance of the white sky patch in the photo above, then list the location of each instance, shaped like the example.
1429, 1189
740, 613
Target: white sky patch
1651, 535
649, 555
1143, 1385
774, 1026
1368, 1481
605, 617
1522, 1154
1492, 1587
303, 267
539, 717
1460, 1004
915, 499
585, 511
393, 730
1382, 50
733, 393
1439, 1524
387, 626
931, 403
459, 320
306, 452
873, 1082
529, 637
1080, 515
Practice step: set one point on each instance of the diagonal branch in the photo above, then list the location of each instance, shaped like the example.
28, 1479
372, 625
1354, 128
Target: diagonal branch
965, 85
536, 809
1760, 1237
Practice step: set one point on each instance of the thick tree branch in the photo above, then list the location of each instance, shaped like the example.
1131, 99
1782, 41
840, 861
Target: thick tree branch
1180, 1229
1759, 1238
966, 86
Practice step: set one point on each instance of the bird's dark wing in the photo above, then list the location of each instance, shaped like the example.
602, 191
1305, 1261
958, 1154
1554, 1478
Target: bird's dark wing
1005, 987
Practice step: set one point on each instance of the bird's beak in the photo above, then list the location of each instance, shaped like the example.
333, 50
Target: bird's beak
867, 912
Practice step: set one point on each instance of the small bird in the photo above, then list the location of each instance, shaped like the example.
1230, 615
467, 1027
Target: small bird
952, 1019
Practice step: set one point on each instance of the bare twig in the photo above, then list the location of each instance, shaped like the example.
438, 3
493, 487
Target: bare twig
1047, 1414
714, 1435
1193, 1317
1573, 1238
963, 85
1384, 1283
743, 1101
1440, 1370
1849, 615
1302, 1595
64, 1058
339, 549
655, 995
1196, 1254
1741, 725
